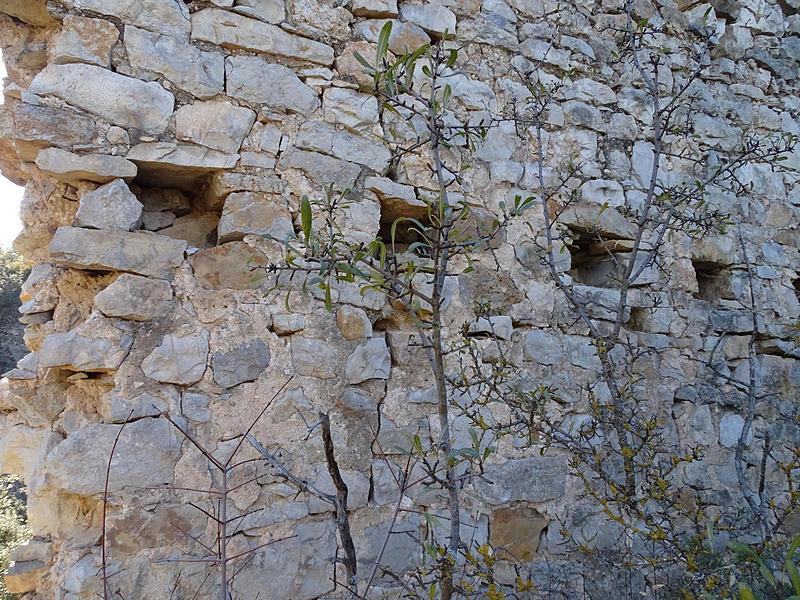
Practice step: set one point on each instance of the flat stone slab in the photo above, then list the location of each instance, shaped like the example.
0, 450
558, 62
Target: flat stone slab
178, 359
143, 253
72, 168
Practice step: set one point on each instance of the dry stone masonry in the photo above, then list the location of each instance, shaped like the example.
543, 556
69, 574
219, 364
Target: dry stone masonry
166, 144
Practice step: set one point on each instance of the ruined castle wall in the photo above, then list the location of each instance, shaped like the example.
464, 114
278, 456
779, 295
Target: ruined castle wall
162, 142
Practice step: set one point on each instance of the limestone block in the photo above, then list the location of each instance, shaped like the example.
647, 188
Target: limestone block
351, 109
350, 68
356, 400
135, 298
37, 127
730, 428
178, 359
271, 11
24, 576
145, 456
236, 31
288, 323
374, 8
167, 16
404, 39
250, 213
33, 12
243, 363
180, 157
229, 266
397, 200
321, 169
353, 323
589, 90
190, 69
603, 191
39, 292
321, 137
199, 229
432, 17
313, 357
515, 531
143, 253
84, 40
371, 360
500, 327
96, 346
73, 168
534, 479
587, 217
122, 100
218, 125
111, 206
254, 80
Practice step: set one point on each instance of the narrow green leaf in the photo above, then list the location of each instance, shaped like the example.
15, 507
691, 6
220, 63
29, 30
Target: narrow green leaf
383, 42
305, 218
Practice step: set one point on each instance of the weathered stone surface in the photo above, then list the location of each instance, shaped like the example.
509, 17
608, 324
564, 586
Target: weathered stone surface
353, 323
271, 11
84, 40
603, 191
146, 455
111, 206
374, 8
250, 213
321, 169
37, 127
161, 159
135, 298
287, 323
397, 200
314, 358
190, 69
230, 266
168, 16
515, 532
178, 359
534, 479
432, 17
198, 229
218, 125
235, 31
97, 347
593, 218
500, 327
144, 253
24, 576
124, 101
72, 168
33, 12
321, 137
350, 109
244, 363
255, 80
371, 360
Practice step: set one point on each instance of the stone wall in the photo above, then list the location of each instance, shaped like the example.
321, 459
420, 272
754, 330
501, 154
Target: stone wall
162, 143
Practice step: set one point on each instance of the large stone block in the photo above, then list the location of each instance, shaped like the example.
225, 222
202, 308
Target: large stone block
247, 213
322, 137
243, 363
135, 298
371, 360
190, 69
218, 125
255, 80
145, 456
143, 253
167, 16
122, 100
234, 266
72, 168
111, 206
178, 359
37, 127
85, 40
96, 346
535, 479
236, 31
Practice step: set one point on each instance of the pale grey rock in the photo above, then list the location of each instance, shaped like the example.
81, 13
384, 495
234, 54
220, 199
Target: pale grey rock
179, 359
432, 17
507, 171
590, 217
374, 8
119, 406
145, 456
39, 292
254, 80
230, 30
38, 127
357, 490
198, 229
321, 137
313, 357
243, 363
353, 323
356, 400
247, 213
288, 323
156, 220
581, 114
190, 69
218, 125
221, 184
350, 109
603, 191
275, 568
97, 346
397, 200
144, 253
195, 407
229, 266
180, 156
473, 94
543, 348
135, 298
370, 360
642, 163
111, 206
721, 250
730, 429
168, 16
122, 100
694, 423
735, 42
405, 37
83, 40
72, 168
535, 479
500, 327
588, 90
271, 11
544, 51
321, 169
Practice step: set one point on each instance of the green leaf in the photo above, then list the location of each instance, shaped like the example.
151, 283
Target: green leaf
305, 218
448, 91
383, 42
451, 60
363, 61
745, 593
794, 575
